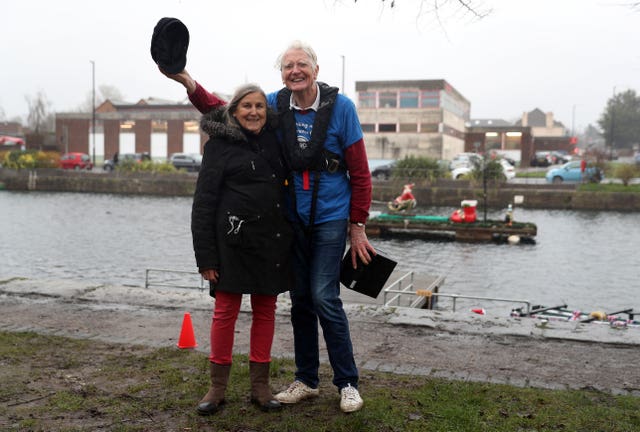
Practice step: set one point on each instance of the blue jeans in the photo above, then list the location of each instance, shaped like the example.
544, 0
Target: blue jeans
316, 296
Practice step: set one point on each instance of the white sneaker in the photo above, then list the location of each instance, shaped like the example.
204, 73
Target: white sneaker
296, 392
350, 399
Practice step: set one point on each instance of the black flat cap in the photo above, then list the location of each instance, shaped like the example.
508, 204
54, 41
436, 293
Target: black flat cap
169, 45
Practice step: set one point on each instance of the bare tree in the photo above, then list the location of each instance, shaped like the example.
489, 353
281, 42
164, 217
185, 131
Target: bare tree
39, 119
437, 8
104, 92
437, 13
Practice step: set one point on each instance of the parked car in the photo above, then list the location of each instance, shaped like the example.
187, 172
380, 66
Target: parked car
110, 164
560, 156
507, 169
76, 161
541, 159
571, 172
383, 172
502, 154
465, 160
188, 161
636, 158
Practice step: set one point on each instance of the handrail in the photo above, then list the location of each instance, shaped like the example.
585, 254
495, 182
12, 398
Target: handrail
419, 296
147, 282
399, 291
527, 303
396, 288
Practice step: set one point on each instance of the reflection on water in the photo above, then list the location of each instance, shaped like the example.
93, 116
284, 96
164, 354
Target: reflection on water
586, 259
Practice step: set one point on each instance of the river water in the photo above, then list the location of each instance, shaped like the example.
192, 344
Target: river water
588, 260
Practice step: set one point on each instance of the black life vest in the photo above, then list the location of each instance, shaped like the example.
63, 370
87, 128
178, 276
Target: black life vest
311, 155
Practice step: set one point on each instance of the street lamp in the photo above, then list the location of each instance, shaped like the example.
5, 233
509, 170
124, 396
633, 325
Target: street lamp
613, 123
93, 109
343, 92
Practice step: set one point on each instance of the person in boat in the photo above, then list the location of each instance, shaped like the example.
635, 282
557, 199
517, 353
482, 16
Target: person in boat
405, 201
330, 186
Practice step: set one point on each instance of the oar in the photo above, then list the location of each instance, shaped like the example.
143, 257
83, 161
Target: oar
544, 310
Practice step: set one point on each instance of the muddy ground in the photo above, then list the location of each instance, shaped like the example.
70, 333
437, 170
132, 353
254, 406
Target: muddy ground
460, 347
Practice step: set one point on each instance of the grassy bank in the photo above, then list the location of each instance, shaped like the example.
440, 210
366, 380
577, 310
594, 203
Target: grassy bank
56, 384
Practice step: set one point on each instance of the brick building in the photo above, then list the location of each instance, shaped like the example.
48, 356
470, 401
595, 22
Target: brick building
499, 136
156, 126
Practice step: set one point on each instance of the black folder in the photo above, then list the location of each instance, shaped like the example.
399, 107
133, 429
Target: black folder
366, 279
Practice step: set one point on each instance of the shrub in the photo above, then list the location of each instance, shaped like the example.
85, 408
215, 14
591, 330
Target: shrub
626, 172
130, 165
419, 168
493, 171
30, 159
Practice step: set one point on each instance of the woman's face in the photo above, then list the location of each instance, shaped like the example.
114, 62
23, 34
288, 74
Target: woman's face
298, 73
252, 112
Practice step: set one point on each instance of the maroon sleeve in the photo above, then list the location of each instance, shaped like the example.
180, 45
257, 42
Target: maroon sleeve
204, 101
356, 158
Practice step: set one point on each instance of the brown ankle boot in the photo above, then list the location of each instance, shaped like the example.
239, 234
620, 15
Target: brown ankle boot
214, 399
260, 392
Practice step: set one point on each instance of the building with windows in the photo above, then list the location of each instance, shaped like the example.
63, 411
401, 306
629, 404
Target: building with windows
497, 136
535, 131
423, 118
155, 126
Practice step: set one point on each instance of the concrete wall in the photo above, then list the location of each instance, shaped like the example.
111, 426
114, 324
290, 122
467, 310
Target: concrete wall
447, 193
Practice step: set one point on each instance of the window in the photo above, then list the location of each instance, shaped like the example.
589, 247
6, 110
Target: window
430, 98
368, 127
367, 99
387, 127
388, 99
127, 126
191, 127
449, 103
408, 127
408, 99
159, 126
429, 127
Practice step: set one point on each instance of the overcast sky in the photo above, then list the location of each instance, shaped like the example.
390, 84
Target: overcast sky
564, 56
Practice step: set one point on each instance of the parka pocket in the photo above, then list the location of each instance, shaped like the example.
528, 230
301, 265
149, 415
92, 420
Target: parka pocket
238, 230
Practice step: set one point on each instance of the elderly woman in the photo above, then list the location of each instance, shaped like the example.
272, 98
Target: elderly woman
323, 145
241, 238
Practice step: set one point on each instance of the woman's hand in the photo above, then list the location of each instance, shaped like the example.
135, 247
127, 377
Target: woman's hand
210, 275
183, 78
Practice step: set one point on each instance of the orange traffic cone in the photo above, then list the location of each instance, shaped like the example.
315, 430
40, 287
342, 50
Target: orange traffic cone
187, 337
479, 311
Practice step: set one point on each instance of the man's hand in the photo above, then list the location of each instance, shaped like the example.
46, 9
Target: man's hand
360, 246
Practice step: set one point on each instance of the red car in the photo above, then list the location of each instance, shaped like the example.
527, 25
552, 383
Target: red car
76, 161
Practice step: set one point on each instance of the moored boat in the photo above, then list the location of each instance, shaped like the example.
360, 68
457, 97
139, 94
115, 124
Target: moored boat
443, 227
621, 318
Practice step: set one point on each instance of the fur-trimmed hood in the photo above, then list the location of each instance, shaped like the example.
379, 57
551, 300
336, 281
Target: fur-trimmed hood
213, 124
